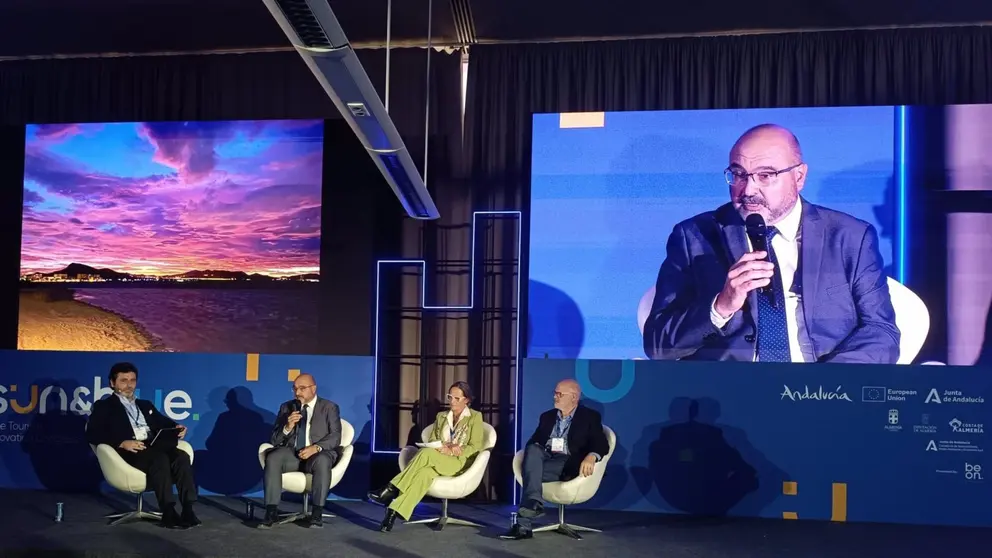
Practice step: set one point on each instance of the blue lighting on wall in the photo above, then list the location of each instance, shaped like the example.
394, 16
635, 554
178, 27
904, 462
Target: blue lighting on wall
448, 308
901, 193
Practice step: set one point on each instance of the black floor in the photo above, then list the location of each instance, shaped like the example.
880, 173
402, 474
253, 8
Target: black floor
27, 529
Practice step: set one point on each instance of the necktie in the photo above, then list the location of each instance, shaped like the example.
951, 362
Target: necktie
773, 334
301, 430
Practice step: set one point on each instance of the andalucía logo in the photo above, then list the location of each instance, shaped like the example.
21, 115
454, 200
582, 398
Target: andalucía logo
951, 396
175, 405
818, 395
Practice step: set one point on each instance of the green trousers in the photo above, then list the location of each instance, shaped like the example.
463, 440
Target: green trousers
414, 481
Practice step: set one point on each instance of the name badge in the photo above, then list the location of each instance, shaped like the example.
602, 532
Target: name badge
141, 433
557, 445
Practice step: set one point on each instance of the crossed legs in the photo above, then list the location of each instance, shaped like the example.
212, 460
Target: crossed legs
539, 466
408, 488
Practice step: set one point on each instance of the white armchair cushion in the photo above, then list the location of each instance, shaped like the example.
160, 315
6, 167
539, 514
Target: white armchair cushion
464, 484
912, 319
298, 482
576, 491
122, 476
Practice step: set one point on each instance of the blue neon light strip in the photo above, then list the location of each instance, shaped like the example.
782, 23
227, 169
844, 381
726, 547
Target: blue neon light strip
902, 193
455, 308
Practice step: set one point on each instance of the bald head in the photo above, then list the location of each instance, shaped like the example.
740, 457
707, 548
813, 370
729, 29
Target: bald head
771, 135
766, 172
567, 395
305, 388
569, 386
304, 379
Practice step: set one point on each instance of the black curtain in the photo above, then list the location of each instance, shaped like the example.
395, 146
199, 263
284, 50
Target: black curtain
161, 88
362, 220
508, 83
259, 86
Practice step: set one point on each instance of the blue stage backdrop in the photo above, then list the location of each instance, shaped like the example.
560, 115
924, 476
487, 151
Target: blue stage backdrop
228, 402
850, 443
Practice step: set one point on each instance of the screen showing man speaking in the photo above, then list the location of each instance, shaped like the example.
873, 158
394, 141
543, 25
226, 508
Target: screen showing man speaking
846, 235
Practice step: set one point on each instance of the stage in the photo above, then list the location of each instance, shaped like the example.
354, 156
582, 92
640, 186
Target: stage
29, 529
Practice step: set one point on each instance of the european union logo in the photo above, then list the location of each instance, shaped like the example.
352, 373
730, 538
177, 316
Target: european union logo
873, 394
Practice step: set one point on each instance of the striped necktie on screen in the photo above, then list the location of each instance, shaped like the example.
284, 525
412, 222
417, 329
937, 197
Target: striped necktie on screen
773, 333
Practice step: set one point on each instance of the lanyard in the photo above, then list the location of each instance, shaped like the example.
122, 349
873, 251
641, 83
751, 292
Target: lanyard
561, 427
136, 417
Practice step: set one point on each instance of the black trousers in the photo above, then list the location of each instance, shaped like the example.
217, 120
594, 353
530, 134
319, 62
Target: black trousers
164, 467
284, 460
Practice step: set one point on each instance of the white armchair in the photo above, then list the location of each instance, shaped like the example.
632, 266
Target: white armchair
122, 476
456, 487
565, 493
298, 482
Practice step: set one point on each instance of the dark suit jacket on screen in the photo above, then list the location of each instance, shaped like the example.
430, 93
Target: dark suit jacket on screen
846, 310
109, 423
585, 436
325, 426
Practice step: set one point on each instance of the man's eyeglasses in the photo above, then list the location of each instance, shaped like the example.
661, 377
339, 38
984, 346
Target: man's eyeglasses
302, 388
737, 175
559, 395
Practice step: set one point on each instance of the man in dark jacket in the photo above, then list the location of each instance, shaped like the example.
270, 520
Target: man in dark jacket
129, 425
568, 442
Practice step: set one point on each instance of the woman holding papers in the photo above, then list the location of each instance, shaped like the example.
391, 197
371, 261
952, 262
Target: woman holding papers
454, 441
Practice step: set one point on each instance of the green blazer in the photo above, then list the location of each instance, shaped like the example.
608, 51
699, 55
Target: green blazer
468, 434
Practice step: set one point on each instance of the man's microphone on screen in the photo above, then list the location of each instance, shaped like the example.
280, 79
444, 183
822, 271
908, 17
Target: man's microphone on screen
754, 224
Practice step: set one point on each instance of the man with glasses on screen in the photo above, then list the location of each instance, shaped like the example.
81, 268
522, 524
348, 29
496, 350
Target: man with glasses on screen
818, 294
307, 436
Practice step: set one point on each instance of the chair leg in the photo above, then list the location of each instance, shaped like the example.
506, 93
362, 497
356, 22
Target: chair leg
136, 515
305, 514
563, 528
295, 516
445, 519
308, 509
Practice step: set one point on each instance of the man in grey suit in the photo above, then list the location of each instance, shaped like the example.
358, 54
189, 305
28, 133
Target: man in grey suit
307, 436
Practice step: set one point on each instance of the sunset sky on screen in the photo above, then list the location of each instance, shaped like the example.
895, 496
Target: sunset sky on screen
163, 198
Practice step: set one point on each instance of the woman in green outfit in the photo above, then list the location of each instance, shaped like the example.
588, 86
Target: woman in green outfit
460, 432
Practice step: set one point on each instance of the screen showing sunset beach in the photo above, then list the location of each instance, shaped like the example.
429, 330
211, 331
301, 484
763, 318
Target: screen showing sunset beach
171, 236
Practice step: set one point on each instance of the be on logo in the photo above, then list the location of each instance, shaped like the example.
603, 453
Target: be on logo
973, 472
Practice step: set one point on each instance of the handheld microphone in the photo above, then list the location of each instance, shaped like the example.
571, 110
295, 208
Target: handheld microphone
757, 232
297, 406
754, 225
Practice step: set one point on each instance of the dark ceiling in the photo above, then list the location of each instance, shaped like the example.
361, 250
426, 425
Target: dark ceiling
45, 27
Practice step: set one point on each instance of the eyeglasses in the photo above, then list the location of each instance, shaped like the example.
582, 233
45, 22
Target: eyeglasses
737, 175
302, 388
559, 394
454, 398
